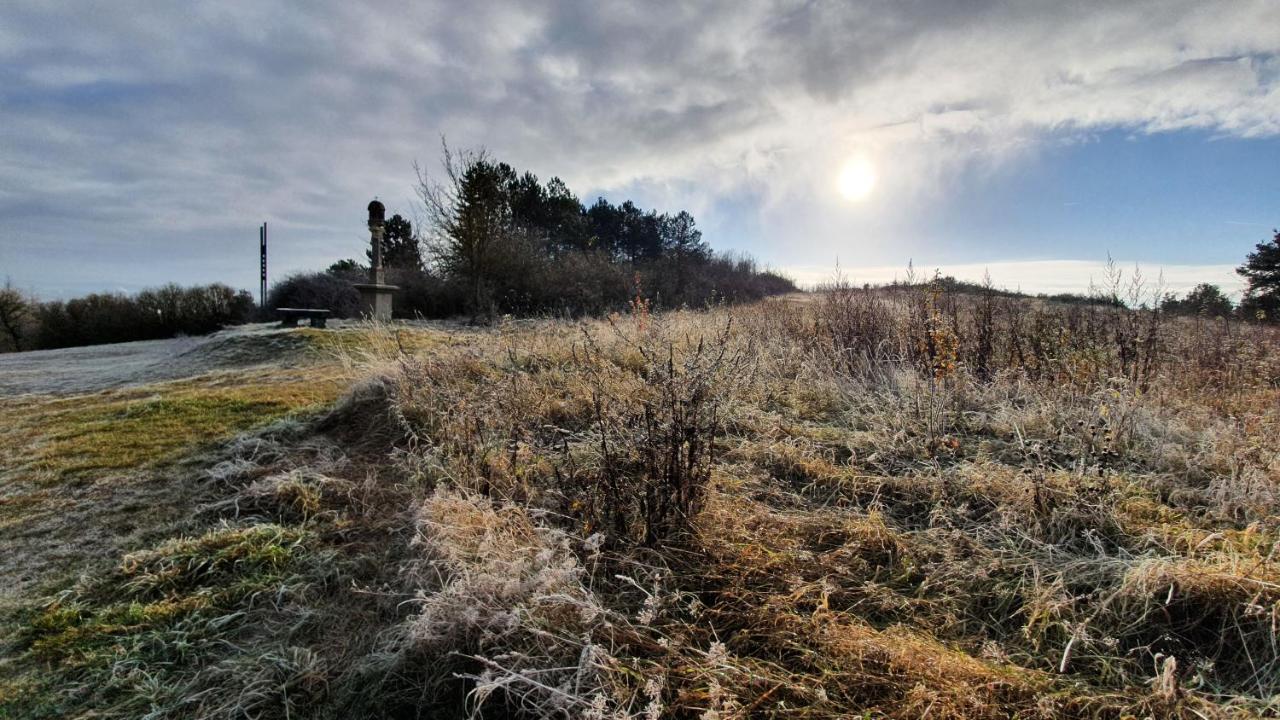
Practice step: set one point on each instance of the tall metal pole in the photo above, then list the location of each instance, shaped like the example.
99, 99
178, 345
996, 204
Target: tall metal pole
262, 246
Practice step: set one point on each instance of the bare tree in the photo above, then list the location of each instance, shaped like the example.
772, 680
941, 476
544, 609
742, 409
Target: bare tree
15, 318
439, 196
467, 217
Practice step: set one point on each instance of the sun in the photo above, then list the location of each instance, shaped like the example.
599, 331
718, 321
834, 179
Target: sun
857, 179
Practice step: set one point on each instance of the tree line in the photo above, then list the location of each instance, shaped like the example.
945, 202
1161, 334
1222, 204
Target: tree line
97, 318
1261, 299
496, 240
500, 241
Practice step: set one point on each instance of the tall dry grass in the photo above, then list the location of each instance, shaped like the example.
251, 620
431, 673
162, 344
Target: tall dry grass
903, 503
900, 502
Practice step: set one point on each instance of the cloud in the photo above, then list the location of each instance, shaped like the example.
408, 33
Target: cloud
135, 130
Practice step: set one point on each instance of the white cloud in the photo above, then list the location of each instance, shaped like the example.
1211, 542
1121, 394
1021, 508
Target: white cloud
132, 124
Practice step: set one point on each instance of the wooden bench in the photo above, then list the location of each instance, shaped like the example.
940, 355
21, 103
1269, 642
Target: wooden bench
289, 316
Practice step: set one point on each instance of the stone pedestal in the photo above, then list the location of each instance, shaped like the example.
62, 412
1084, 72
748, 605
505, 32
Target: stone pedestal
376, 300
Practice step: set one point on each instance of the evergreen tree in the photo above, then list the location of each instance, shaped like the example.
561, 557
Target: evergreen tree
641, 235
565, 217
401, 249
1261, 270
346, 267
502, 240
1205, 299
528, 202
681, 239
480, 222
605, 223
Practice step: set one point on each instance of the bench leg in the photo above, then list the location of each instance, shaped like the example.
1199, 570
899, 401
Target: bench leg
317, 322
289, 321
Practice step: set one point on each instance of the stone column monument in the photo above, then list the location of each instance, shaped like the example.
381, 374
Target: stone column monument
376, 293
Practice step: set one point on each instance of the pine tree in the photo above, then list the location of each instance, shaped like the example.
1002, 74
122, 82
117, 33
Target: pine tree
401, 249
480, 221
1261, 270
1205, 299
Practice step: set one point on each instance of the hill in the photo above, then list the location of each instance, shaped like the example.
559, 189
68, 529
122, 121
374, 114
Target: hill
879, 504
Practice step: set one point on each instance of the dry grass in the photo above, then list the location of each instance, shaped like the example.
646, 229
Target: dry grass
895, 505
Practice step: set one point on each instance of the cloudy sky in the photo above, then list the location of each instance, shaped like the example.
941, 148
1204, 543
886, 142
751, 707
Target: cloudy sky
145, 142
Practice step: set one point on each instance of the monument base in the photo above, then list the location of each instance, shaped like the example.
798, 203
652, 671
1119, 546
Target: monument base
376, 300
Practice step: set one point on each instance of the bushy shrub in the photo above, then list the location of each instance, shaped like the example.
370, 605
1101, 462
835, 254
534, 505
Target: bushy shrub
194, 310
731, 278
586, 282
943, 333
424, 294
627, 423
322, 290
1205, 300
524, 280
655, 421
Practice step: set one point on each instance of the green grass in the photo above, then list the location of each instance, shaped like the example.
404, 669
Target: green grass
138, 629
83, 478
138, 433
126, 430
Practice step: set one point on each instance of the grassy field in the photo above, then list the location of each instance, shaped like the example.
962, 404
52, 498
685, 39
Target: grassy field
856, 504
83, 476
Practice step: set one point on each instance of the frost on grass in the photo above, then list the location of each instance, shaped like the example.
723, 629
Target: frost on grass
903, 503
514, 602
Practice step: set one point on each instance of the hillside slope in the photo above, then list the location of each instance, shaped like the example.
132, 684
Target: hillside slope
866, 505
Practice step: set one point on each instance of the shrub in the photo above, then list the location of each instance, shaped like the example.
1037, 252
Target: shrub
943, 333
424, 294
580, 283
316, 290
1205, 300
195, 310
626, 425
655, 423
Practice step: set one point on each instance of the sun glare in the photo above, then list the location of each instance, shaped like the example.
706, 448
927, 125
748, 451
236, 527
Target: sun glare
857, 179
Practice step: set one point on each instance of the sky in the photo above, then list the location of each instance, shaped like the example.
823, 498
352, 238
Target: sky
143, 143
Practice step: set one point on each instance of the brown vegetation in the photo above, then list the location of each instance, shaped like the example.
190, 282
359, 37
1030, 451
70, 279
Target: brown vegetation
906, 503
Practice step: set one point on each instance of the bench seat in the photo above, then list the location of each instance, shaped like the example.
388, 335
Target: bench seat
289, 316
